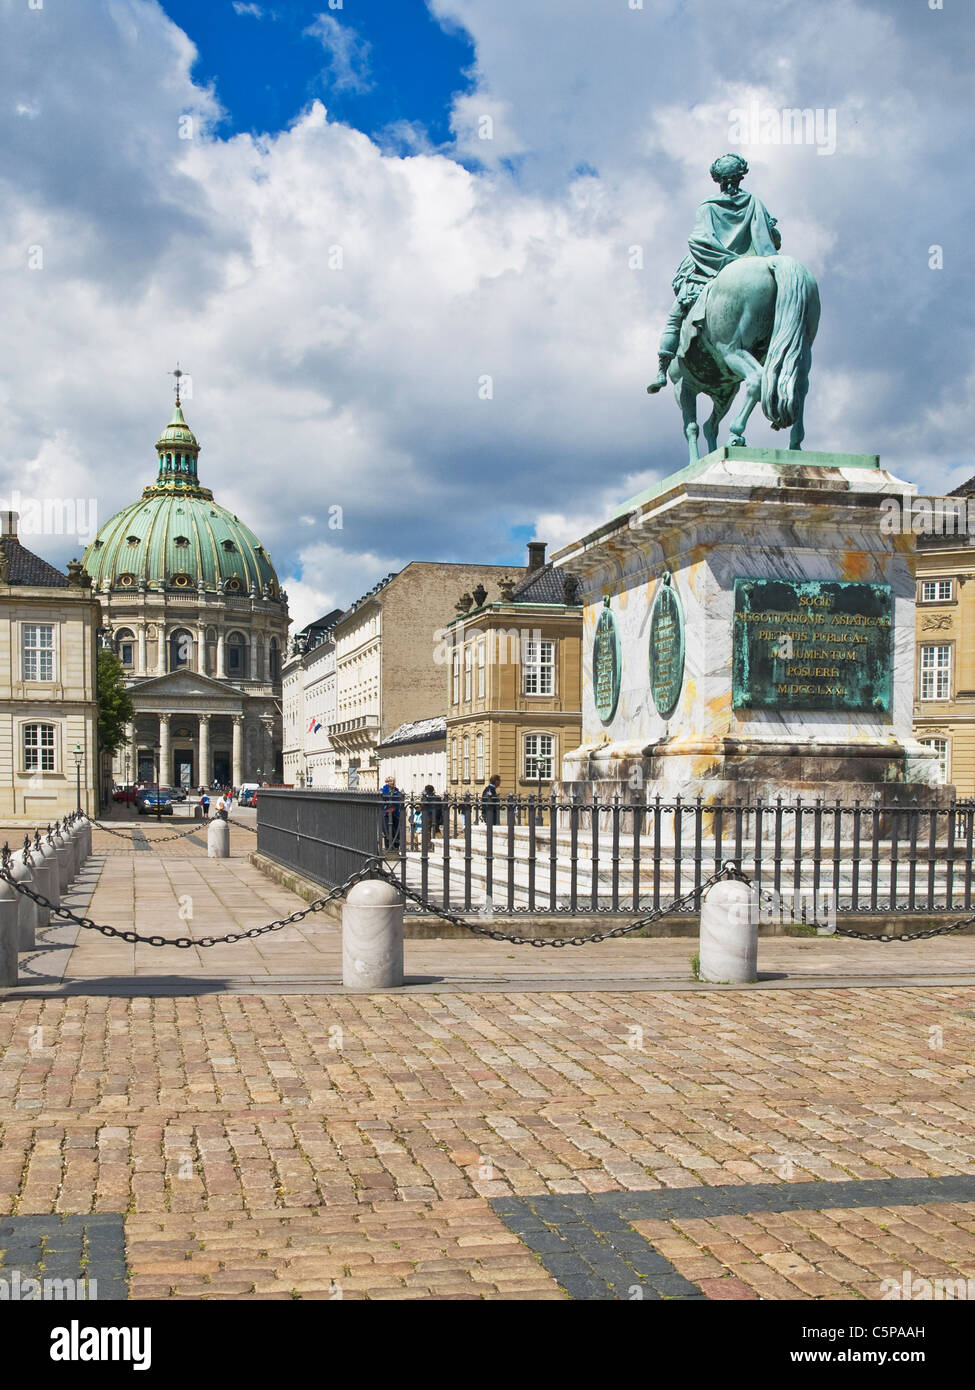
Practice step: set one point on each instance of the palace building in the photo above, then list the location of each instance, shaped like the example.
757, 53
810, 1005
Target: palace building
48, 685
944, 662
514, 683
199, 620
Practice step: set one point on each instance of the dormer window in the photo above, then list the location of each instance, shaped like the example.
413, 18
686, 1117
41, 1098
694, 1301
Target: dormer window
181, 540
132, 540
229, 545
181, 581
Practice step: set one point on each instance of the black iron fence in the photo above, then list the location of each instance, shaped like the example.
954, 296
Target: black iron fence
544, 854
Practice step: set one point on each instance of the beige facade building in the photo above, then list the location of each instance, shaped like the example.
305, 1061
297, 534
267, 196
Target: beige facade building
514, 685
944, 662
48, 685
390, 658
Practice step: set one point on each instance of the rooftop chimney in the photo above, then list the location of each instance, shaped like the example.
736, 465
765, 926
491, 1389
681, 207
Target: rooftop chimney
10, 520
536, 555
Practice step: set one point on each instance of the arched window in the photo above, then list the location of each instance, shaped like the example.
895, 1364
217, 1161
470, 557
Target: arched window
237, 656
274, 660
125, 646
180, 649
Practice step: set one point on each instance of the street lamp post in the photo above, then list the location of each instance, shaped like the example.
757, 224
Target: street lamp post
157, 749
78, 757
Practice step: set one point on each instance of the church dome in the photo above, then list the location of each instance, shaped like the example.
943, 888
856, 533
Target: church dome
176, 536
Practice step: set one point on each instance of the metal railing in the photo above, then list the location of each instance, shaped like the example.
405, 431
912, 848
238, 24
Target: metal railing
544, 855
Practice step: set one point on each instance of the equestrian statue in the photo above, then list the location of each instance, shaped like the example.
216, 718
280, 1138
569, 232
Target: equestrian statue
743, 313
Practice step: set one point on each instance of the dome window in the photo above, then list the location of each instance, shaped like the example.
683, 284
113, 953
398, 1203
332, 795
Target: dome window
125, 581
233, 586
181, 540
181, 581
132, 540
228, 545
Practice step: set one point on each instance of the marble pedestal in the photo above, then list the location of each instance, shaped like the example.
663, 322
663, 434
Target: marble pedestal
745, 514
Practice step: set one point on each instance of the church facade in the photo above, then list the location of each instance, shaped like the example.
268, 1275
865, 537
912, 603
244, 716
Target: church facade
196, 614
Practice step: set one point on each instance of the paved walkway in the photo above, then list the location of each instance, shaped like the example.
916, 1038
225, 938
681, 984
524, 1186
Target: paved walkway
623, 1141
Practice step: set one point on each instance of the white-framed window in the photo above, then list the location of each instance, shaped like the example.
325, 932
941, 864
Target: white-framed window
468, 668
455, 678
940, 746
539, 667
467, 758
479, 757
935, 590
936, 672
453, 760
38, 747
539, 756
481, 667
38, 651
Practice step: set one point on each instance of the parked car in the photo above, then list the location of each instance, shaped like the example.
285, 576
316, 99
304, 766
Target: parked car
152, 803
128, 793
177, 793
247, 795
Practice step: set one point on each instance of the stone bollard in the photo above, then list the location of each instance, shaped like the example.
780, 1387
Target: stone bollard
45, 871
62, 849
70, 836
46, 862
9, 933
372, 936
729, 933
218, 837
43, 914
84, 827
26, 908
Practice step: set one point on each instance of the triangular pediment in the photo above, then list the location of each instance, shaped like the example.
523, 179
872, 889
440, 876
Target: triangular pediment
183, 686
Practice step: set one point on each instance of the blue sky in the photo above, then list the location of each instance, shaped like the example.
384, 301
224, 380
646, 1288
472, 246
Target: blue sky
417, 256
373, 62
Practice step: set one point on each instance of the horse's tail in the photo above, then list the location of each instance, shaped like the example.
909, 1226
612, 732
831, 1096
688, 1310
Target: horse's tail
786, 361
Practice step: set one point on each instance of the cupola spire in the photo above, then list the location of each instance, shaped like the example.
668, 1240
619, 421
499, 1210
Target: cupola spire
178, 450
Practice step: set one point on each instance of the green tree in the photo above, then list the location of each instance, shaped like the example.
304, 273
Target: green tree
115, 708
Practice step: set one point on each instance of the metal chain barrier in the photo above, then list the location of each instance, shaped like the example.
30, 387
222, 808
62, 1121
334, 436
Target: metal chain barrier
727, 870
185, 942
826, 930
180, 835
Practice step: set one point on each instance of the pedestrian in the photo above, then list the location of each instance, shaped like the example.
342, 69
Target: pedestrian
229, 799
432, 811
205, 803
490, 801
392, 805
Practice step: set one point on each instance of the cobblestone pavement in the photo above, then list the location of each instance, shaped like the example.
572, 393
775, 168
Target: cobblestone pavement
366, 1146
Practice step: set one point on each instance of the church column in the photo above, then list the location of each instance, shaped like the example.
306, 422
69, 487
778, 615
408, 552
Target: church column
261, 649
237, 775
160, 648
221, 655
140, 669
267, 726
205, 770
201, 649
165, 755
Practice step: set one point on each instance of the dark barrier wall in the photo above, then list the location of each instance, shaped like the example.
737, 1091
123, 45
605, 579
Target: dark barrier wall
326, 836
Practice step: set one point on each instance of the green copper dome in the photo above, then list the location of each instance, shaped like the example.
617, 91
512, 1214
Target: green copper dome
176, 536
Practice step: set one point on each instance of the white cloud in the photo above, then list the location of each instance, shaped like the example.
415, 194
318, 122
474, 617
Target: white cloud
241, 7
348, 54
342, 305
